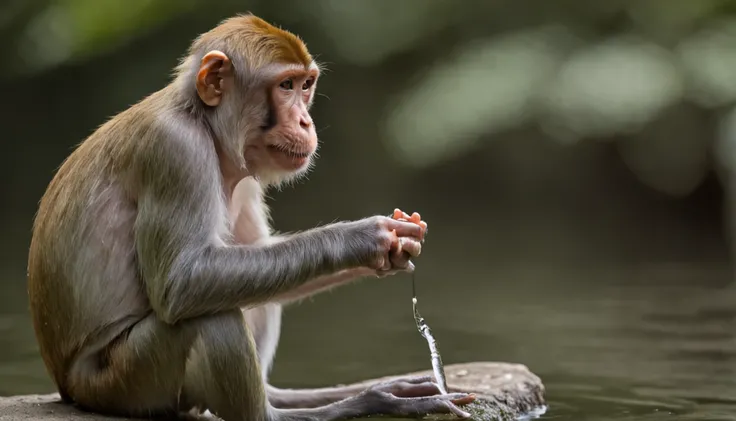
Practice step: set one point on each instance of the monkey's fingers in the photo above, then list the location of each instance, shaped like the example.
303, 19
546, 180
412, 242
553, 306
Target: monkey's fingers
400, 215
415, 218
412, 247
384, 261
396, 243
424, 225
401, 262
421, 223
406, 229
403, 216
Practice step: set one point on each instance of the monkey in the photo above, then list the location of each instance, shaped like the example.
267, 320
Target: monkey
155, 280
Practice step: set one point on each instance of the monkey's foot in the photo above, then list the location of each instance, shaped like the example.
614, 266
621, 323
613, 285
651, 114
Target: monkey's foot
416, 396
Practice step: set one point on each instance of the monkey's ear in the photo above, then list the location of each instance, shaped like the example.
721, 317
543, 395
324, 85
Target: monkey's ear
214, 75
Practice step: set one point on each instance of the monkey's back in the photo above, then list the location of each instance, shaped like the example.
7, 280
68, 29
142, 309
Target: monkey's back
83, 282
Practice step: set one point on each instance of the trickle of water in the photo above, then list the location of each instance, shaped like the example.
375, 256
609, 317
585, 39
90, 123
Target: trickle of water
437, 366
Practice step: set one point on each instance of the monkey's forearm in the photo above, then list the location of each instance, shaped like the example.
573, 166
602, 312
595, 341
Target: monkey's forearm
323, 283
319, 284
218, 278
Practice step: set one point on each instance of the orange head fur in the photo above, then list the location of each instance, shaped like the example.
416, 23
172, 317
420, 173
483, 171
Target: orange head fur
253, 37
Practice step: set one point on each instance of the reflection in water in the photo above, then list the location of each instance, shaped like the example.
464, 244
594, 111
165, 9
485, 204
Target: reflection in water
633, 344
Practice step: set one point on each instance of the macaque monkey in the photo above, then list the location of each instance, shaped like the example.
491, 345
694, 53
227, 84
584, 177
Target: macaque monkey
155, 280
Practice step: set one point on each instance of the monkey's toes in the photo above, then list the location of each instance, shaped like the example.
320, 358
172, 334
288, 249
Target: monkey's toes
408, 390
422, 406
463, 400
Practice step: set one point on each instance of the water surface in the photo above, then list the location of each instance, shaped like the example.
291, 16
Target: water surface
647, 342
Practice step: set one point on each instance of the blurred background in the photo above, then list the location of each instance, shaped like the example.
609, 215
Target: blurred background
575, 160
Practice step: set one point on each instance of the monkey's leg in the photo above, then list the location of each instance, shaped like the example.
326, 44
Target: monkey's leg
223, 374
316, 397
158, 369
140, 373
311, 398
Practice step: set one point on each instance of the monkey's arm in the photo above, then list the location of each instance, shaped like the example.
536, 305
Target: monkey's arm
187, 276
315, 285
323, 283
189, 272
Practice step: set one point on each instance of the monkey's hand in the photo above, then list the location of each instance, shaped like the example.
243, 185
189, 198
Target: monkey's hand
386, 245
407, 247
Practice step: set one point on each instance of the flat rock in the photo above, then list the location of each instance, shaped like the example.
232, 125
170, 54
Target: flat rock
504, 392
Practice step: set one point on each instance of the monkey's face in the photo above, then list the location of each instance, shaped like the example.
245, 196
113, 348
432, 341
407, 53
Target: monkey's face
265, 122
288, 138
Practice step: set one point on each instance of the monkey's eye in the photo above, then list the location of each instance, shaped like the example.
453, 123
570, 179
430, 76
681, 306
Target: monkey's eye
308, 84
287, 84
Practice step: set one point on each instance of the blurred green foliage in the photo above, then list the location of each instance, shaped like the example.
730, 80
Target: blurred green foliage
443, 77
578, 69
55, 32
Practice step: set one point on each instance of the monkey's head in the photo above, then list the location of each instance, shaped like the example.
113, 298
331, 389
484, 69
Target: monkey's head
256, 84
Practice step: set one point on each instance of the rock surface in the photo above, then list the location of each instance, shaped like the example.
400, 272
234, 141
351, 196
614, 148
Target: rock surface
504, 392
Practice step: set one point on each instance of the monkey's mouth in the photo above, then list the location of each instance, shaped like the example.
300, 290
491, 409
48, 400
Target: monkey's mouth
288, 152
289, 158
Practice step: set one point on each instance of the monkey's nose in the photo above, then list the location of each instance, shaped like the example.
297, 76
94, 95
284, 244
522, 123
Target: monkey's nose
305, 122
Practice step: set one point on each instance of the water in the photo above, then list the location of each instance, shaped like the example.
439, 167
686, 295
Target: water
610, 343
438, 369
